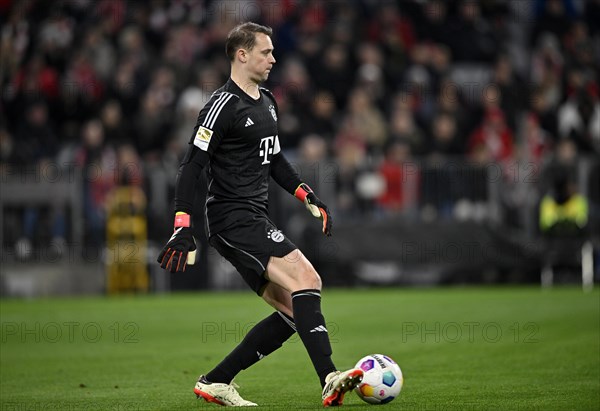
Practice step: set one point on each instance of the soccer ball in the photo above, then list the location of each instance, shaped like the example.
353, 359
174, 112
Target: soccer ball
382, 379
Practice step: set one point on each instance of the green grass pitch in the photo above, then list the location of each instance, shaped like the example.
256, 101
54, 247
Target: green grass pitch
459, 348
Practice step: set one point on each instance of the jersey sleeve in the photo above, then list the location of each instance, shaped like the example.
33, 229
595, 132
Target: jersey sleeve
284, 173
214, 121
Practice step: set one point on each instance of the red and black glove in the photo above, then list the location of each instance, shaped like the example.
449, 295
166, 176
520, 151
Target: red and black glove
316, 207
180, 250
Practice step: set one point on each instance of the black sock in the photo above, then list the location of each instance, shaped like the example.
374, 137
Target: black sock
264, 338
311, 328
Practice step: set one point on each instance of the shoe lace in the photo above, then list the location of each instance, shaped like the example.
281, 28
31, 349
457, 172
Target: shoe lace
232, 388
332, 376
330, 383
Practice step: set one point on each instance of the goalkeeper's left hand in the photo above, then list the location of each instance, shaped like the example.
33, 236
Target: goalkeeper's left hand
316, 207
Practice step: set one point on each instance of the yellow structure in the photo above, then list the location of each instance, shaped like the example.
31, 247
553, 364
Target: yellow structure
126, 241
573, 212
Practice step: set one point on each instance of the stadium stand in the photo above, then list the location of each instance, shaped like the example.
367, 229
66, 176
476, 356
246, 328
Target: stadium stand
429, 113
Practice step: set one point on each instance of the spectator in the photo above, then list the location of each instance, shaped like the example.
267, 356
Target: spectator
152, 123
563, 211
403, 128
579, 116
547, 64
132, 45
98, 162
371, 74
100, 53
546, 115
83, 89
183, 44
321, 117
16, 36
471, 36
313, 165
449, 102
563, 161
419, 82
579, 48
554, 16
536, 143
7, 149
115, 129
36, 139
508, 86
366, 120
312, 18
350, 157
391, 27
295, 91
492, 139
401, 178
440, 65
37, 77
591, 14
126, 85
35, 148
435, 27
336, 73
129, 167
563, 220
443, 141
56, 35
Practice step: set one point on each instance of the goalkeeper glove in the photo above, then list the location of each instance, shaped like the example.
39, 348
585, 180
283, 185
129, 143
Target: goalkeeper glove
180, 250
316, 207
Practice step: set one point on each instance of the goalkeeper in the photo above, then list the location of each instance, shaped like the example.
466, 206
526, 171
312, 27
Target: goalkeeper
236, 140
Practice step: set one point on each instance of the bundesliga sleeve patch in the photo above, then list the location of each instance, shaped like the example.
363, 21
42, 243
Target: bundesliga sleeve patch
202, 138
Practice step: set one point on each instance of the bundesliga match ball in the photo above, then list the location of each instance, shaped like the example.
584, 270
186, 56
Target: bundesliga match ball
382, 379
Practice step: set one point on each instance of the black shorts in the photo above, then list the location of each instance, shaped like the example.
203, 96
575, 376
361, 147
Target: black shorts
249, 246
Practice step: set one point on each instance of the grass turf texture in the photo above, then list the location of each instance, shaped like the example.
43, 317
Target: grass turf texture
459, 348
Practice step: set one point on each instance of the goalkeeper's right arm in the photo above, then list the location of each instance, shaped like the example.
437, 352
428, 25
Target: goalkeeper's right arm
180, 250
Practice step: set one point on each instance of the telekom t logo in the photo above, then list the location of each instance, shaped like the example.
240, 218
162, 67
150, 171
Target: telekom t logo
266, 148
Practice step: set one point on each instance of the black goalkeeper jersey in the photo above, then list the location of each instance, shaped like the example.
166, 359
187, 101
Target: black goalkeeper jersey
239, 134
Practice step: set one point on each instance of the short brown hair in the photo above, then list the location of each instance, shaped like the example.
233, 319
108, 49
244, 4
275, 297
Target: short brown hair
244, 36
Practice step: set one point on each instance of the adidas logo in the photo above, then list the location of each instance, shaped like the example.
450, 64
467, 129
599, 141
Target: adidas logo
319, 329
249, 122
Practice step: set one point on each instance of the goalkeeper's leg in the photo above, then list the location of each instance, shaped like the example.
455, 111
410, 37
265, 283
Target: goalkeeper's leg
296, 274
264, 338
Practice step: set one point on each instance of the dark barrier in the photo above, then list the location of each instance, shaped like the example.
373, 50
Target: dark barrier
398, 252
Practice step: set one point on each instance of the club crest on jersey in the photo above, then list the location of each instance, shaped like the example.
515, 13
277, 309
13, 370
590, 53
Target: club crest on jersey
276, 235
202, 138
273, 113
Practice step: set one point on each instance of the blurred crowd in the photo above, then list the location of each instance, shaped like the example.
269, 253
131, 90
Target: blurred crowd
397, 100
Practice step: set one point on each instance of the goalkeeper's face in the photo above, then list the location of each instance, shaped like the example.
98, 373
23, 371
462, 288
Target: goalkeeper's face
260, 59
